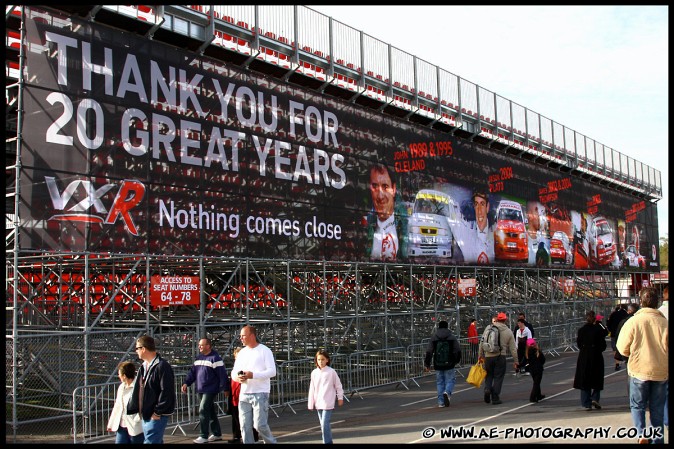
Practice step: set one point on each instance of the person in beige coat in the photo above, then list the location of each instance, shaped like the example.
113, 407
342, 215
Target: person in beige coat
644, 339
129, 428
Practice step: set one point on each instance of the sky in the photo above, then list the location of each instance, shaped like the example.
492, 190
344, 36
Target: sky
599, 70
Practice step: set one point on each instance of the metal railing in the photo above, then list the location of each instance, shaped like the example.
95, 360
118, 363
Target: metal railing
305, 41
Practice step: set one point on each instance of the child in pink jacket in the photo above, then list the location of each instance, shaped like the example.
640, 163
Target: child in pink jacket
324, 388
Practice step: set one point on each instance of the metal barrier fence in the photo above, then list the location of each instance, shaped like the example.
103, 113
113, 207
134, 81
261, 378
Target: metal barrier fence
91, 405
369, 369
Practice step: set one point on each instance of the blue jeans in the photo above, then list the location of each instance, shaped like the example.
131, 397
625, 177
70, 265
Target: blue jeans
324, 419
496, 369
208, 416
253, 411
444, 381
649, 394
587, 396
123, 437
666, 418
154, 430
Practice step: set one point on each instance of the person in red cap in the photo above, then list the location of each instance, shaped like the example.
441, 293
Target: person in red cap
599, 323
534, 360
495, 360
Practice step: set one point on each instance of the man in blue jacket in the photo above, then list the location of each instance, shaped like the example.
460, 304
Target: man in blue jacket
211, 377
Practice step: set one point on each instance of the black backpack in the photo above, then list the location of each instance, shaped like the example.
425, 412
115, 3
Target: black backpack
443, 357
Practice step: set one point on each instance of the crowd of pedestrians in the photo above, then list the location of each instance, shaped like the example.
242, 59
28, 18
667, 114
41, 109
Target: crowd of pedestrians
638, 333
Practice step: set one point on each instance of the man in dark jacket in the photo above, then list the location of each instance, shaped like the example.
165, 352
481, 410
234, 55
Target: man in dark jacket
445, 376
154, 394
632, 308
614, 319
211, 377
589, 378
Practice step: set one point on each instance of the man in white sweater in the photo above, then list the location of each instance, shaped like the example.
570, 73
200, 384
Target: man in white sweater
254, 367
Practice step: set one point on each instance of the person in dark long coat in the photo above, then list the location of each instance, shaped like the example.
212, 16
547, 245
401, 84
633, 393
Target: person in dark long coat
589, 378
614, 319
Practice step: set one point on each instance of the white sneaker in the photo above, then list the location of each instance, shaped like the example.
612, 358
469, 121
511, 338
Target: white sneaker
214, 438
201, 440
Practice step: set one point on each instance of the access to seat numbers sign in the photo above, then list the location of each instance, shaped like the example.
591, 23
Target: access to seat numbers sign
467, 288
174, 290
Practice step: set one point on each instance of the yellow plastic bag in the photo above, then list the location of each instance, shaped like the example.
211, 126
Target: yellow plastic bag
476, 375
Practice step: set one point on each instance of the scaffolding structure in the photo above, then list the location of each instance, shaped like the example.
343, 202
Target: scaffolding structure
72, 317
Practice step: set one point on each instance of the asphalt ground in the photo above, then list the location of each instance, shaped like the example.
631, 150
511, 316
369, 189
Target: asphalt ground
399, 414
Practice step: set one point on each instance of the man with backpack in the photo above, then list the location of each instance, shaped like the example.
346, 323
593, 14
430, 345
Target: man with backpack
496, 340
445, 351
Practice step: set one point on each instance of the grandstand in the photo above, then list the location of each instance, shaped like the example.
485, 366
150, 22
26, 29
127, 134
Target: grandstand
80, 284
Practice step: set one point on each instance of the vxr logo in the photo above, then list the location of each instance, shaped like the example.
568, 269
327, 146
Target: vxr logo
130, 194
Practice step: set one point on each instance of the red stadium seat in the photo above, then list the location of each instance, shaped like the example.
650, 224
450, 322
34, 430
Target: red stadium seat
14, 39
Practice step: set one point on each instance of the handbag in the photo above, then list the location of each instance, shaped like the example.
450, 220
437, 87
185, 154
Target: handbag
476, 375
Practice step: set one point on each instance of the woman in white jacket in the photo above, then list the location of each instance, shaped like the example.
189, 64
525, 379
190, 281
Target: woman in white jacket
129, 428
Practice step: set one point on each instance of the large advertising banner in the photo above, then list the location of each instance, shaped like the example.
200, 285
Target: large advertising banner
133, 146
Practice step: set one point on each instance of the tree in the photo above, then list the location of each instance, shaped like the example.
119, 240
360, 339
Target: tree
664, 253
